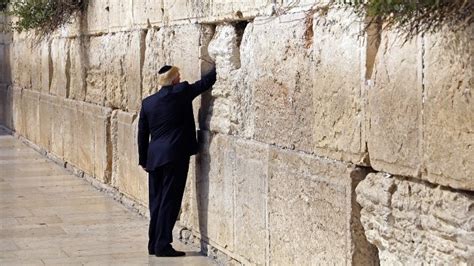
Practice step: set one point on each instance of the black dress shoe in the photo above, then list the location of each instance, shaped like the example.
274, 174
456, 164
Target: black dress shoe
170, 252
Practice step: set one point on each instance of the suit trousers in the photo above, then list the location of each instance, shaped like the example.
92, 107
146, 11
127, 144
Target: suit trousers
166, 187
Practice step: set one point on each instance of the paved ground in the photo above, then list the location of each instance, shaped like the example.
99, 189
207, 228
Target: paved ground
48, 216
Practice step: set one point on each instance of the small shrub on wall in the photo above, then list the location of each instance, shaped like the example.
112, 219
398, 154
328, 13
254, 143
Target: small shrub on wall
413, 17
42, 15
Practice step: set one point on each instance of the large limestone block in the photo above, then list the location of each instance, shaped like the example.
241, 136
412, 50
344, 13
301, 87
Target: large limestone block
21, 66
71, 112
16, 107
46, 66
58, 117
46, 116
214, 193
128, 177
177, 45
246, 163
36, 66
184, 11
412, 222
60, 81
101, 124
8, 64
449, 110
395, 107
282, 92
308, 200
30, 119
77, 71
96, 70
98, 13
237, 10
337, 91
147, 12
114, 69
121, 14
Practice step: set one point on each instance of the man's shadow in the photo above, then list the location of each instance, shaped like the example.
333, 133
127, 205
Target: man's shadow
203, 166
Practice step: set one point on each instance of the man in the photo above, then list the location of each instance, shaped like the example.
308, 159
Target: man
168, 117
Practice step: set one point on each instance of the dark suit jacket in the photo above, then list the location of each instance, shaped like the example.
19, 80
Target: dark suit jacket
168, 117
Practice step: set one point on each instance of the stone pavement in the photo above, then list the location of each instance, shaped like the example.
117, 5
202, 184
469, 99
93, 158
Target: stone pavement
48, 216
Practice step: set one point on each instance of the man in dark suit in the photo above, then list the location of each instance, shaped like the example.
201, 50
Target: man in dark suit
167, 116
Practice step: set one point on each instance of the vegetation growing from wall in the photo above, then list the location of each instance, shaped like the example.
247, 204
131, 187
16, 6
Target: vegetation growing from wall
412, 17
43, 16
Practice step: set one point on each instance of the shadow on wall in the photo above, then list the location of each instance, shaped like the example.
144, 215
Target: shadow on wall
203, 164
6, 101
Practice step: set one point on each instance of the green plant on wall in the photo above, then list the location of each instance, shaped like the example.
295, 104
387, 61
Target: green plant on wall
413, 17
43, 16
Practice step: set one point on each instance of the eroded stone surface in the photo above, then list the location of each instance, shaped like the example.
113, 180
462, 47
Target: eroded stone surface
449, 110
128, 176
414, 222
395, 106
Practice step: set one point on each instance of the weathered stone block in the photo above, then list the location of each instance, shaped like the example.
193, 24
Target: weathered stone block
246, 163
96, 70
336, 75
147, 11
46, 116
98, 12
215, 191
128, 176
71, 111
21, 67
394, 107
29, 113
412, 222
58, 117
77, 72
121, 15
309, 200
176, 11
179, 46
60, 81
102, 140
238, 10
46, 66
448, 128
114, 75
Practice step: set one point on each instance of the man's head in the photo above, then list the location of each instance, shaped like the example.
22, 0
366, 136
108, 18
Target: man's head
168, 75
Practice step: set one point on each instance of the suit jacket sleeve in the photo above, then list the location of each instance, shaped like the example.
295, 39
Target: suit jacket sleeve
204, 84
143, 138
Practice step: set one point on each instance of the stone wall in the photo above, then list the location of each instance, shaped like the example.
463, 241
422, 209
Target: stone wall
304, 108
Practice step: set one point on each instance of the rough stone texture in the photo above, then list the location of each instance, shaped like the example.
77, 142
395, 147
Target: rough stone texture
114, 70
247, 163
308, 202
98, 16
60, 82
127, 176
395, 108
411, 222
21, 66
147, 12
77, 69
449, 109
